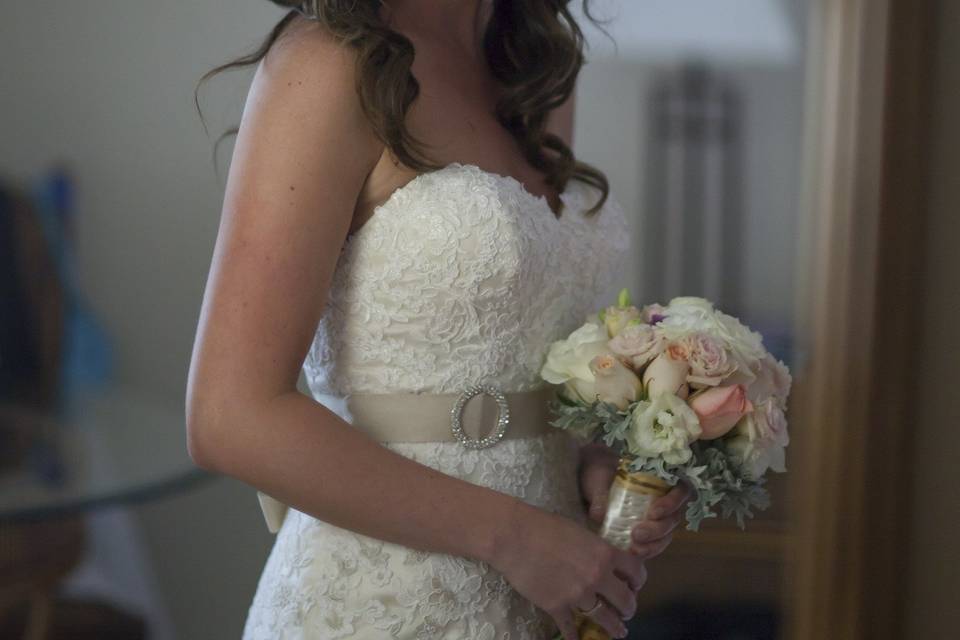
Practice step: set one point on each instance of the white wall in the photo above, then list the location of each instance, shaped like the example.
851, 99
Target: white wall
611, 128
106, 86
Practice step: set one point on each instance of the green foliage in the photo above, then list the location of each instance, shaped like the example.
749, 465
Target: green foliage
720, 484
721, 487
579, 419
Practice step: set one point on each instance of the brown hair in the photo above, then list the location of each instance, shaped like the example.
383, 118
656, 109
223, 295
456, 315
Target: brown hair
534, 49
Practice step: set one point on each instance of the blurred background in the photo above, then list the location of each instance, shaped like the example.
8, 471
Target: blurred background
704, 118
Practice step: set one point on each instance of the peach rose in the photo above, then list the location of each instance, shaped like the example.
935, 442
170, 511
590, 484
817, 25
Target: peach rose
666, 375
614, 382
678, 351
719, 409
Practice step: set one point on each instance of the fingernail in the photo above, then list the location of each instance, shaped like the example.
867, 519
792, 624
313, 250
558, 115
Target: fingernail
641, 533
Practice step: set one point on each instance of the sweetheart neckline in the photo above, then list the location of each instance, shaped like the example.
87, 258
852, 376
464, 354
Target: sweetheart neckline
539, 200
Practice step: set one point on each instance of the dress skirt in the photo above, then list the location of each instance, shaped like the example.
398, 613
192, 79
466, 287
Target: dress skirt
322, 582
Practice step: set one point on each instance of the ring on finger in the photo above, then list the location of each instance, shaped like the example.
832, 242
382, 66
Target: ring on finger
592, 610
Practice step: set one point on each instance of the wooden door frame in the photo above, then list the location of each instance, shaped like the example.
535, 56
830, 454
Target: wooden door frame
865, 167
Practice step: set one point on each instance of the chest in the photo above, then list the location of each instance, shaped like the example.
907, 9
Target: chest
477, 240
455, 116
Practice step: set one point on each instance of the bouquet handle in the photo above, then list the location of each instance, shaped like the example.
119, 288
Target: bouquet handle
631, 493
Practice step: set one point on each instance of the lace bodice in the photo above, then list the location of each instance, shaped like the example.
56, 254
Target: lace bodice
463, 275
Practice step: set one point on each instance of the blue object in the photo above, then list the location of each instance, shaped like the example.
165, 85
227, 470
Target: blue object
88, 353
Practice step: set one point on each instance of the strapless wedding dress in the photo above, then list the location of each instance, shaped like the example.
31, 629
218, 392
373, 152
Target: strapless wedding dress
461, 276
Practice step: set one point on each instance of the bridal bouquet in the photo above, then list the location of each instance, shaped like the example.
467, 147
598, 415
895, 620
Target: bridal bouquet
681, 392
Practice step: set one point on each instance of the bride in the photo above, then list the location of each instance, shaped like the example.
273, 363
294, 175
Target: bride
404, 221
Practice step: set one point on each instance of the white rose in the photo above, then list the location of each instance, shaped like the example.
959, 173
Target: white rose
745, 346
638, 343
568, 361
663, 427
772, 379
692, 302
593, 318
760, 439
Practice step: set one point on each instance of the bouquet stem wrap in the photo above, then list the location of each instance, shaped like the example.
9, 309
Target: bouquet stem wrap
630, 496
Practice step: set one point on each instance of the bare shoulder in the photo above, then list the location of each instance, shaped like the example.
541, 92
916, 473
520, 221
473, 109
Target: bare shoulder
308, 50
303, 121
308, 67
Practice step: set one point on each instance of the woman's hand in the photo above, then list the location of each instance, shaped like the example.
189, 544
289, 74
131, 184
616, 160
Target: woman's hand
560, 565
653, 534
650, 537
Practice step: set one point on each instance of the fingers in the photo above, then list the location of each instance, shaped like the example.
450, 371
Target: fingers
608, 618
631, 570
619, 595
612, 581
565, 624
677, 497
651, 549
595, 486
650, 538
651, 530
598, 450
595, 477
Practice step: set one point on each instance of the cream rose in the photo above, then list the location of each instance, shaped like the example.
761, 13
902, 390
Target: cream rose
666, 374
568, 361
772, 379
663, 427
760, 439
614, 382
690, 302
709, 363
638, 344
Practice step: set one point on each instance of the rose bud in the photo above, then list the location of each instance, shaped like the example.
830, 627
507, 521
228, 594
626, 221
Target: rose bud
666, 375
719, 409
614, 382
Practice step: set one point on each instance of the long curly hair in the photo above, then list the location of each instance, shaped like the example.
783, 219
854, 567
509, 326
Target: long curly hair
534, 48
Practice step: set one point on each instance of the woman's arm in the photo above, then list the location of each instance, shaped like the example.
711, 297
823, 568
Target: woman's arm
302, 154
301, 158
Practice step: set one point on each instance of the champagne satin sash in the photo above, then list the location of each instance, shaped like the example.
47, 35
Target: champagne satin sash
431, 417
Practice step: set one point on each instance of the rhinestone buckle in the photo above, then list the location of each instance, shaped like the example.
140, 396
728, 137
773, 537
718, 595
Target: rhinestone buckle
503, 417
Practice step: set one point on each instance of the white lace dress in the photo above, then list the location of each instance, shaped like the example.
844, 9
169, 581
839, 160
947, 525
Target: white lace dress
461, 276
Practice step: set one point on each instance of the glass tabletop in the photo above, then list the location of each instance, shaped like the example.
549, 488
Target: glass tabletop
114, 445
